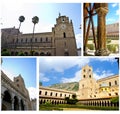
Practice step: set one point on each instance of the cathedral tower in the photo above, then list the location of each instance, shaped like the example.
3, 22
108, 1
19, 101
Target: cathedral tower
64, 37
87, 83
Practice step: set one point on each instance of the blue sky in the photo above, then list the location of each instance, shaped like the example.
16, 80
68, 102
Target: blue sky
24, 66
63, 69
113, 14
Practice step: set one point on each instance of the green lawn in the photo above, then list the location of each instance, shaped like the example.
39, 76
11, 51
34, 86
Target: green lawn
47, 107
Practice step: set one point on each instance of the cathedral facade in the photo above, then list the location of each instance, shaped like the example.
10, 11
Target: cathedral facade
60, 42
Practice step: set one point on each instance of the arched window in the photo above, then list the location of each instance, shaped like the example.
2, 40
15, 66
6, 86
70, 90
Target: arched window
109, 83
115, 82
46, 93
35, 39
26, 40
51, 94
40, 39
83, 76
46, 39
40, 92
66, 54
64, 35
56, 94
61, 95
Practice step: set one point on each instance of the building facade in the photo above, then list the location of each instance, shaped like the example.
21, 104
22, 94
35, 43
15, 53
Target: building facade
14, 95
91, 91
54, 96
60, 42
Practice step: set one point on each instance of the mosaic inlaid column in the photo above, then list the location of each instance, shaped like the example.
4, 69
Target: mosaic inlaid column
101, 10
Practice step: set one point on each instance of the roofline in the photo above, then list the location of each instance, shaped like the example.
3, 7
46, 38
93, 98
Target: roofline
60, 90
108, 77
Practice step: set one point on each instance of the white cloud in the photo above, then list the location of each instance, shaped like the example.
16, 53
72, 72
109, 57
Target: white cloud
79, 40
103, 74
76, 78
32, 92
43, 78
111, 60
114, 5
60, 64
109, 20
118, 12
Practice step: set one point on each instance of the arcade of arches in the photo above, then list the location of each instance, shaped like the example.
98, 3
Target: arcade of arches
14, 95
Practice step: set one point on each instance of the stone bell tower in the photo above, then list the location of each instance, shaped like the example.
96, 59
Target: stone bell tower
87, 83
64, 37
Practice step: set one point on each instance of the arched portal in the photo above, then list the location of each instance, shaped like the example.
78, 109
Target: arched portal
16, 103
22, 105
7, 101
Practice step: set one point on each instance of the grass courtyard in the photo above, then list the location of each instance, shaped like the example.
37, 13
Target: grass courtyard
62, 107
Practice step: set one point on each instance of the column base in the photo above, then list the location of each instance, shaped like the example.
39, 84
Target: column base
102, 52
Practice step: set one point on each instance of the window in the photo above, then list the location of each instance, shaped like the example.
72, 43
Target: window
109, 83
56, 94
64, 35
40, 92
82, 85
116, 93
115, 82
31, 40
21, 40
83, 76
89, 76
109, 94
65, 95
46, 39
35, 39
84, 70
46, 93
26, 39
17, 80
18, 85
61, 95
40, 39
51, 94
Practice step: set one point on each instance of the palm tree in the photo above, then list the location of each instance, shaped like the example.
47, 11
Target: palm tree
35, 20
21, 19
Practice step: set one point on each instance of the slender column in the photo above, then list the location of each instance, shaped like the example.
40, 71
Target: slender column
101, 31
12, 105
19, 104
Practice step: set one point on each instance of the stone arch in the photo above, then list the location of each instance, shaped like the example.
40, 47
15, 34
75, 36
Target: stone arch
16, 53
26, 53
36, 54
22, 105
66, 53
42, 54
48, 54
7, 101
12, 53
16, 103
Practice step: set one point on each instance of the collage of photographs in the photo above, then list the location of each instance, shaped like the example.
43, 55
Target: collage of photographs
59, 56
